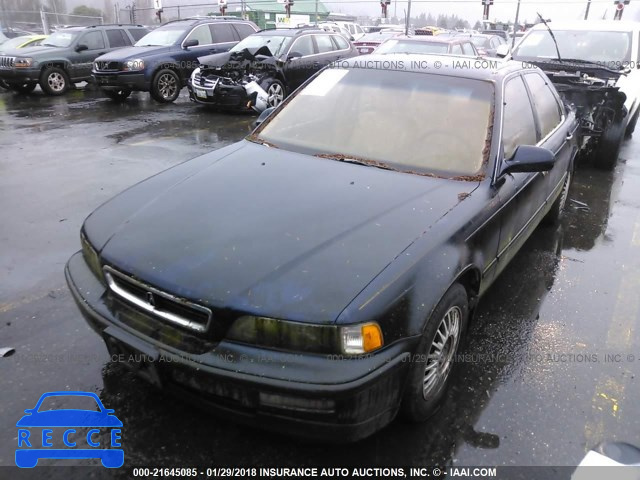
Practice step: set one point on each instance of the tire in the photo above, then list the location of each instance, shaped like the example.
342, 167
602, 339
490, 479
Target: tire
632, 124
165, 86
606, 155
276, 92
556, 213
118, 95
4, 85
23, 88
422, 396
54, 81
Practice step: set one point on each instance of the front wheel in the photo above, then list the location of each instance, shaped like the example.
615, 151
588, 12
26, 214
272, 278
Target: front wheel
54, 81
434, 358
118, 95
557, 209
275, 92
165, 87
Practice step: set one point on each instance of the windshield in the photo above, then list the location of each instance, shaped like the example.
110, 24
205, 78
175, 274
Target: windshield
60, 39
407, 46
277, 44
592, 46
377, 123
377, 37
14, 42
163, 36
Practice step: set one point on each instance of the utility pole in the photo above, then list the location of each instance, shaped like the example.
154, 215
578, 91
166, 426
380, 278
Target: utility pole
406, 26
586, 12
515, 25
316, 13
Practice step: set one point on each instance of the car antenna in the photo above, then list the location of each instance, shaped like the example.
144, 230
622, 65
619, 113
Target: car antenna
553, 37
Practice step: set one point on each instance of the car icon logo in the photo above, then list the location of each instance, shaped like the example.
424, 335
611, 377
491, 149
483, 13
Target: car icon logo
39, 429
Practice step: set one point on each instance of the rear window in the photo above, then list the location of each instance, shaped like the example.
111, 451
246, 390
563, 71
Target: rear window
117, 38
408, 46
137, 33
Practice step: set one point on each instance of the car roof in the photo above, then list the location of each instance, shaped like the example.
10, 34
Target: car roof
206, 19
496, 68
107, 26
589, 25
430, 38
292, 32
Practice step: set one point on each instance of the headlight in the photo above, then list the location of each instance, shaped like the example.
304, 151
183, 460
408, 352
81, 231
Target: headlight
194, 73
305, 337
133, 65
23, 62
91, 256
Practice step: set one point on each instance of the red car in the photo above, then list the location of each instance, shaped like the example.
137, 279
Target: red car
370, 41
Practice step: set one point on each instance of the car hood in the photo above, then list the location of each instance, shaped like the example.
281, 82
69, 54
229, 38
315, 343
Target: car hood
239, 59
69, 418
135, 52
33, 51
271, 232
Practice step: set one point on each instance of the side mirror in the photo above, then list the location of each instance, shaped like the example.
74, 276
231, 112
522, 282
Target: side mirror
352, 38
294, 55
528, 158
502, 51
81, 47
190, 43
263, 116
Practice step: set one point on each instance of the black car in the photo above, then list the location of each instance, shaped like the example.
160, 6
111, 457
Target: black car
317, 277
64, 58
161, 62
278, 61
434, 45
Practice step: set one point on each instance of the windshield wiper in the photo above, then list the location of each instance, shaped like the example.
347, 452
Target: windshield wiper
553, 37
355, 160
256, 139
577, 62
594, 64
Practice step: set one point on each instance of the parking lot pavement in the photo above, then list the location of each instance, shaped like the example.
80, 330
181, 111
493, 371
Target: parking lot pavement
549, 369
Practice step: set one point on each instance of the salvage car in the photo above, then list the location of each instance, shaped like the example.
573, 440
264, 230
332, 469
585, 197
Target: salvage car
594, 66
160, 63
485, 44
428, 45
370, 41
317, 277
263, 69
64, 58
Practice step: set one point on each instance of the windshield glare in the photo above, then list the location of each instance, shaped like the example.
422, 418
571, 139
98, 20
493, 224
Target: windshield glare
592, 46
403, 46
379, 111
276, 44
60, 39
162, 37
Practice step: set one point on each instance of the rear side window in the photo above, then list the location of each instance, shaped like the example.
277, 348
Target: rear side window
202, 34
324, 43
303, 46
93, 40
467, 49
518, 125
244, 30
545, 103
117, 38
341, 42
456, 49
223, 33
137, 33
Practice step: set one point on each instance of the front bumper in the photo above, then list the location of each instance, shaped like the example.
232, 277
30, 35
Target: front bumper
20, 75
224, 96
313, 396
119, 80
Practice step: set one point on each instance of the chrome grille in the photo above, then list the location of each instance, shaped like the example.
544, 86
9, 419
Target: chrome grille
105, 66
162, 305
205, 82
7, 62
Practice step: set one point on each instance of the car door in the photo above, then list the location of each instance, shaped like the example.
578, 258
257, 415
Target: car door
82, 58
187, 56
301, 62
555, 133
520, 193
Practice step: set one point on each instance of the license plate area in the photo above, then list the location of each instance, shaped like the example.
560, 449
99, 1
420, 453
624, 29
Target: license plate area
200, 93
137, 358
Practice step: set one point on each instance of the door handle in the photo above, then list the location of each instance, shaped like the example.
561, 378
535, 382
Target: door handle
569, 136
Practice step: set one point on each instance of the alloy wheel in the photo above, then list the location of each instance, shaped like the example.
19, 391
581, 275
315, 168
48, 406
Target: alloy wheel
443, 348
276, 94
56, 82
167, 86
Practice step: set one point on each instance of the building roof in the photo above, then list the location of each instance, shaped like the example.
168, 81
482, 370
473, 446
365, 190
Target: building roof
300, 7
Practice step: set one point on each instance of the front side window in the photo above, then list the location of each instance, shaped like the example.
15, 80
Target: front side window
303, 46
93, 40
544, 102
518, 124
377, 120
202, 34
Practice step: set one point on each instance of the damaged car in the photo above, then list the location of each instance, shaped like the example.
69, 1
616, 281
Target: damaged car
260, 71
595, 67
317, 277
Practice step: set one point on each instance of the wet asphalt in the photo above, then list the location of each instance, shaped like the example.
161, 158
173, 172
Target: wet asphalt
534, 386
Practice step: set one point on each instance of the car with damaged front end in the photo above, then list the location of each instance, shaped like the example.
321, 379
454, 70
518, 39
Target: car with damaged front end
260, 71
317, 277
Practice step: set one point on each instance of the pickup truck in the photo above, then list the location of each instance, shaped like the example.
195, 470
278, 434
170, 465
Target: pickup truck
594, 67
